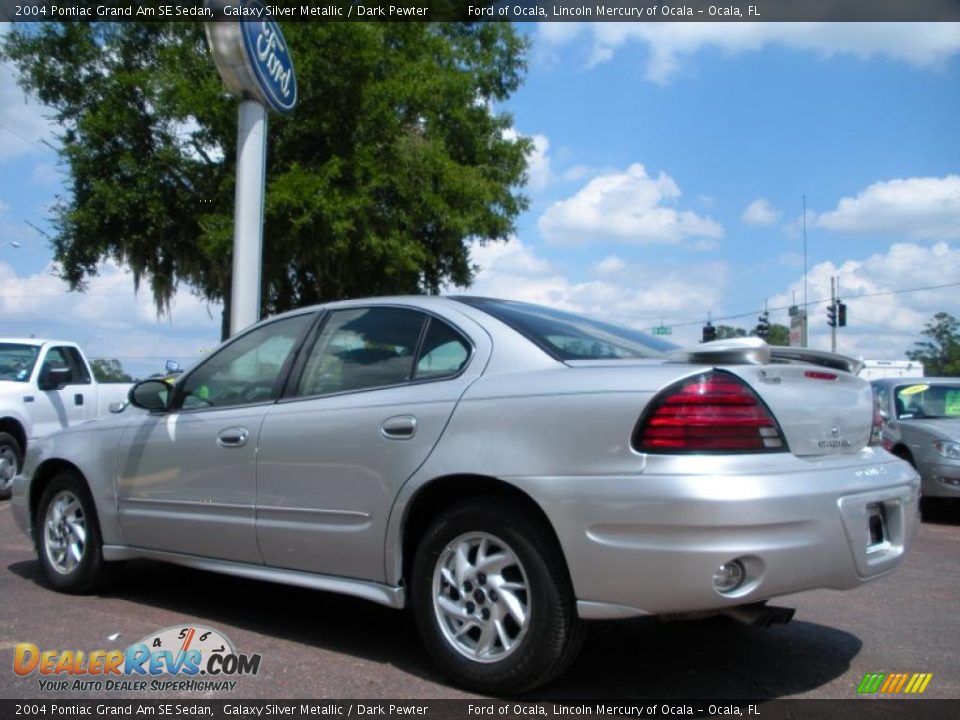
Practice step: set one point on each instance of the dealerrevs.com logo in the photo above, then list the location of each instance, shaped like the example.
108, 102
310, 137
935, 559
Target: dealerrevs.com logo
179, 658
894, 683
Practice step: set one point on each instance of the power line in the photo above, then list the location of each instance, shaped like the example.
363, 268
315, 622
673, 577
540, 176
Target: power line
45, 148
820, 302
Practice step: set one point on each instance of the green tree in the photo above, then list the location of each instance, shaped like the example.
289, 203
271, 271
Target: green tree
940, 354
778, 335
394, 158
109, 370
724, 332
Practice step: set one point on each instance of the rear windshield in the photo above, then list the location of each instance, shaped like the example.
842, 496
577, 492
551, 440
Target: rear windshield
17, 361
567, 336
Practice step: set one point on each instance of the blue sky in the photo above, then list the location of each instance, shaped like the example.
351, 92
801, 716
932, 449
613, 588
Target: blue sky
667, 182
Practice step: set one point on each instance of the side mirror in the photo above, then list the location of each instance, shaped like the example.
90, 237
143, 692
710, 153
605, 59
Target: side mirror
152, 395
53, 377
884, 416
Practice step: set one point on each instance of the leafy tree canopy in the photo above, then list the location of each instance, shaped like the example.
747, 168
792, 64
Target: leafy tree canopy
393, 159
940, 354
724, 332
109, 370
778, 334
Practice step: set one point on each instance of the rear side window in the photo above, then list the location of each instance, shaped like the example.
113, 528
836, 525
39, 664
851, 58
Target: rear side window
362, 348
444, 352
566, 336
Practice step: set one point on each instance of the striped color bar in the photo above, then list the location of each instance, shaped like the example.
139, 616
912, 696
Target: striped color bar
918, 683
893, 683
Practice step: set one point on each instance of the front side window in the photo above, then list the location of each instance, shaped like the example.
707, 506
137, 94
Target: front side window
361, 348
17, 361
68, 357
248, 370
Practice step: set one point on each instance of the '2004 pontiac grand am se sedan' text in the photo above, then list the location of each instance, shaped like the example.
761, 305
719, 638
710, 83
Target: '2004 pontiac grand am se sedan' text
506, 470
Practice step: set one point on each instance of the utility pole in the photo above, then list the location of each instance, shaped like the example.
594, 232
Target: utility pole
833, 305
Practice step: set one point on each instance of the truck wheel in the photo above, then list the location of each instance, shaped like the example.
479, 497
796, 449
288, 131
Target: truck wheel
68, 535
492, 599
11, 460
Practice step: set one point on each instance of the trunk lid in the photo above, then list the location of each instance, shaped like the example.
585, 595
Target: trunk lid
822, 408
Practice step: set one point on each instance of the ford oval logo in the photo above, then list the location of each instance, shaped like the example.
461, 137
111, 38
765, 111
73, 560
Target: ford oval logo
271, 63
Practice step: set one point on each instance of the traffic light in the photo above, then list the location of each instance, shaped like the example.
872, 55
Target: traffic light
832, 315
841, 314
709, 332
763, 326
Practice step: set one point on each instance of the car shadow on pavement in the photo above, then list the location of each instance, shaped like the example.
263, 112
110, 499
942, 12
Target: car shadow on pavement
642, 658
710, 659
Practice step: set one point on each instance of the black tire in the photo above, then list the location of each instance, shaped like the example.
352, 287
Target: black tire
553, 633
929, 506
69, 575
11, 462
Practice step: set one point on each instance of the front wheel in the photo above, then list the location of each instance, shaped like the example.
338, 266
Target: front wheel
68, 536
492, 599
11, 460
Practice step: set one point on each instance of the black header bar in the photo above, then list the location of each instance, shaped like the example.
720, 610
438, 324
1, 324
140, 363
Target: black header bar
485, 11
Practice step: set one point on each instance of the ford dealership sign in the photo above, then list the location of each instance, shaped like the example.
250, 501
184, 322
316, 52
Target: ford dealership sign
251, 55
271, 63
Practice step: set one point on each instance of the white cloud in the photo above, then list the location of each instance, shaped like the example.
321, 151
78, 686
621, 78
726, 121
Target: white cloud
640, 295
539, 173
508, 257
883, 326
760, 212
109, 319
627, 207
919, 44
910, 208
610, 265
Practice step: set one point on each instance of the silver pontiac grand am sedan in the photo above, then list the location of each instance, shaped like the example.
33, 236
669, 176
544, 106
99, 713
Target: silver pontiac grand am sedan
506, 470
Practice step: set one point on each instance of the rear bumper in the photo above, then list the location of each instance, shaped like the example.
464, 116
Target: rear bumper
651, 543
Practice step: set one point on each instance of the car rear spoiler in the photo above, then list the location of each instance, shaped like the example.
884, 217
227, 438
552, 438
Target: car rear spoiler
754, 351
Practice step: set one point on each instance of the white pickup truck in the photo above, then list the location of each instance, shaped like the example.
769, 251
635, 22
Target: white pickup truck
45, 385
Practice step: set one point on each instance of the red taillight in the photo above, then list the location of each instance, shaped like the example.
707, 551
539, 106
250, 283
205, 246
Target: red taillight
713, 412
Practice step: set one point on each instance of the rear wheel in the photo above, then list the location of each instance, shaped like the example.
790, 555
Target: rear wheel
68, 535
492, 599
11, 460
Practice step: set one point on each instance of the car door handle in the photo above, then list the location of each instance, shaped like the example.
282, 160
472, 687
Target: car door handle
233, 437
401, 427
78, 399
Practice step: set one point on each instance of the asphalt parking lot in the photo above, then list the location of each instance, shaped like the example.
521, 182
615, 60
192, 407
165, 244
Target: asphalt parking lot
319, 645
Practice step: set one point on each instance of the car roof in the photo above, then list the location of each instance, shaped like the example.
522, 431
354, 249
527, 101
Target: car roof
916, 381
37, 342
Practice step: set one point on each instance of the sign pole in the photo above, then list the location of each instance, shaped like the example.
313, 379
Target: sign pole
248, 214
255, 64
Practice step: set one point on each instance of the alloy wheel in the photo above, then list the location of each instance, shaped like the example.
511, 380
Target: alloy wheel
65, 532
481, 597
